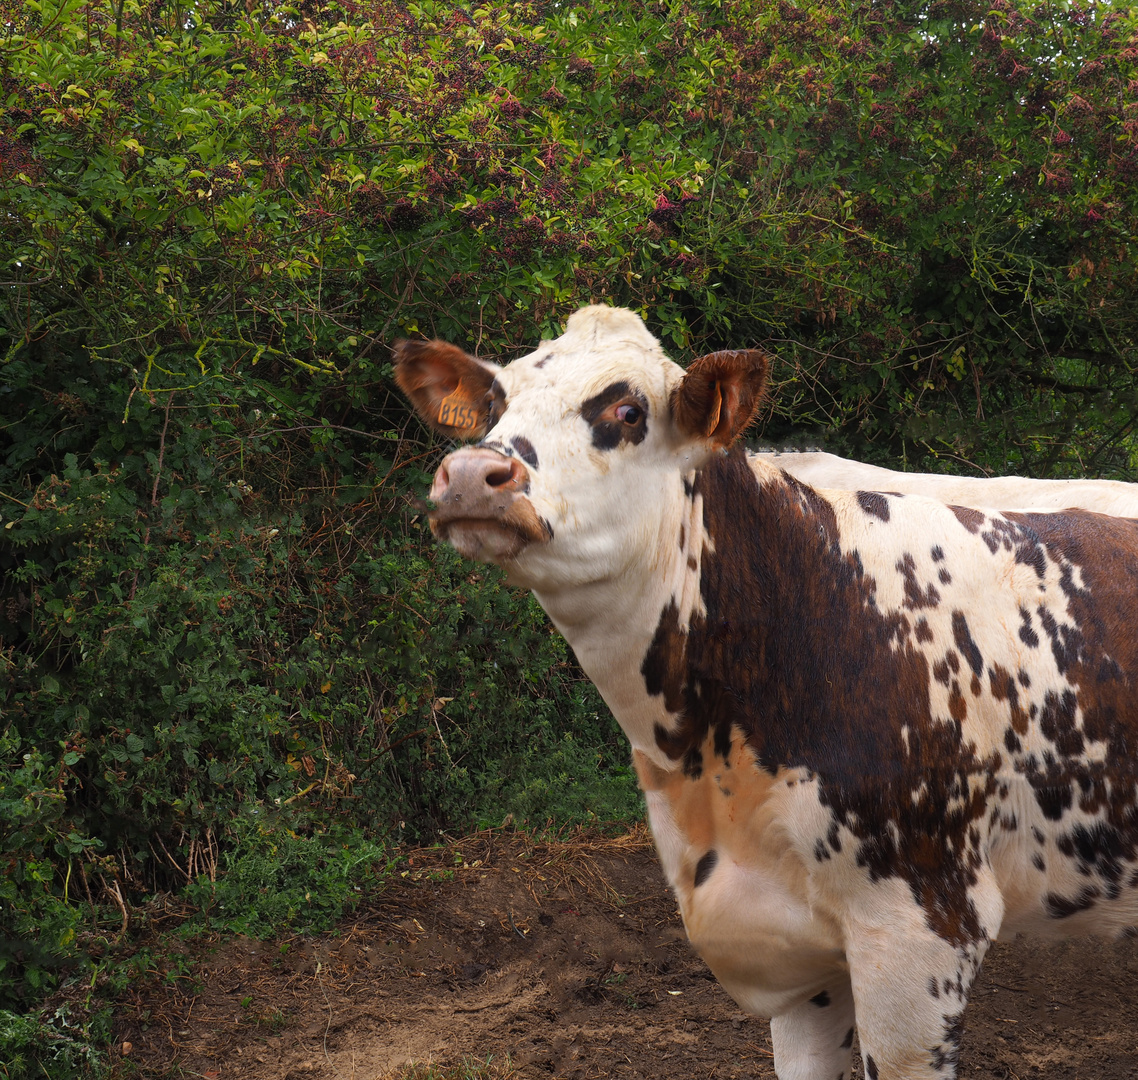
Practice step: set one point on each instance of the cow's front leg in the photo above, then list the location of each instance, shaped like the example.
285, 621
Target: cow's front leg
814, 1041
911, 982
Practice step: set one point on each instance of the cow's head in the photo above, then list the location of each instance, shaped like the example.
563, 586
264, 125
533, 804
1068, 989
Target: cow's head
578, 444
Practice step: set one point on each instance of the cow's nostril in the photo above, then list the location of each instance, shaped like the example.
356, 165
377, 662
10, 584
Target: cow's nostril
500, 477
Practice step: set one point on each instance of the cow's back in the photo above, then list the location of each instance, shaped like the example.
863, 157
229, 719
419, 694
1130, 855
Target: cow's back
822, 470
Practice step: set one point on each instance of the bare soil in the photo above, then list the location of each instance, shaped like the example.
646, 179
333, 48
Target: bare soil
565, 959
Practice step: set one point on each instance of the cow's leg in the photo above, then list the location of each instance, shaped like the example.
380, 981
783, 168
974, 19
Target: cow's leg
814, 1041
911, 983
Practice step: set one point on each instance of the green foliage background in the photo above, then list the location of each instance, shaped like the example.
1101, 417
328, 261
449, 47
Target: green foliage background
227, 640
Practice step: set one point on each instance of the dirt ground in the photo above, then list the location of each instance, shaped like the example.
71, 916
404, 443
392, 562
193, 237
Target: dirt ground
566, 960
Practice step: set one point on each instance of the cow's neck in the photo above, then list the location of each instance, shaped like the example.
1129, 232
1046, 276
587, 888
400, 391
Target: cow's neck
610, 623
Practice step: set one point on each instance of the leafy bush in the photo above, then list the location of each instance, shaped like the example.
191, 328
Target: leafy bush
51, 1047
271, 879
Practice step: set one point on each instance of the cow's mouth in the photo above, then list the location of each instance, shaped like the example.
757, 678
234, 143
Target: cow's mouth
492, 540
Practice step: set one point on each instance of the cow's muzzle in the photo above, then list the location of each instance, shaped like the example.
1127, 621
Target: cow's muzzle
482, 506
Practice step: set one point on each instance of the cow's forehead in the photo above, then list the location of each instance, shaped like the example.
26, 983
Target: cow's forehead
600, 346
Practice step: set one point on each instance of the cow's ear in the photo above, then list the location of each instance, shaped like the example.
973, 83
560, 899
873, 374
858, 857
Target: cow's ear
449, 388
719, 395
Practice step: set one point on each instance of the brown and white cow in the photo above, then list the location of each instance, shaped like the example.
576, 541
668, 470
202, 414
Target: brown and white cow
873, 731
822, 470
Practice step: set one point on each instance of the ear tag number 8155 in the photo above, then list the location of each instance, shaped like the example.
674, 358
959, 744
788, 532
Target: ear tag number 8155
456, 411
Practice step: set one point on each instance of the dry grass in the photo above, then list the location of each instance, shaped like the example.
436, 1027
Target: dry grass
470, 1069
567, 861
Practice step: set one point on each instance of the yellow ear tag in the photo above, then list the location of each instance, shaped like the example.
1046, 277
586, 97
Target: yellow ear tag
456, 411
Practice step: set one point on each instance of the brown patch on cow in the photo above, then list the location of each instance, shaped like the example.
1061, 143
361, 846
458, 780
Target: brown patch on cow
972, 520
735, 670
1004, 688
962, 636
924, 631
915, 597
525, 450
704, 867
874, 504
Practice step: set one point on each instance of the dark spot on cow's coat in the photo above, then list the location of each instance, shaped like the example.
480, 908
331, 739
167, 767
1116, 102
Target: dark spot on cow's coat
1057, 722
870, 1067
683, 538
924, 631
704, 867
663, 667
609, 434
915, 597
948, 1053
525, 450
963, 638
547, 527
543, 361
1026, 634
934, 990
944, 577
1037, 862
937, 553
874, 504
1054, 801
971, 519
1063, 907
1011, 741
847, 1042
822, 1000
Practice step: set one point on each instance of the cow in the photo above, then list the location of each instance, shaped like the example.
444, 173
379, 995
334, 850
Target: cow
823, 470
873, 731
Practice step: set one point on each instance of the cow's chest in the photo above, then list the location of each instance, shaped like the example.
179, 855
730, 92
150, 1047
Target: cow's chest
728, 841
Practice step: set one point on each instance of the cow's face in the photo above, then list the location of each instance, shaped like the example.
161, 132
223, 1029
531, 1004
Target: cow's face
580, 445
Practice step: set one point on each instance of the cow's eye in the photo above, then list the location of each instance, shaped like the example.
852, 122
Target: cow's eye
629, 414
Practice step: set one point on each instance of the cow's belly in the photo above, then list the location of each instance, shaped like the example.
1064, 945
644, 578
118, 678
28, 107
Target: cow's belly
747, 907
